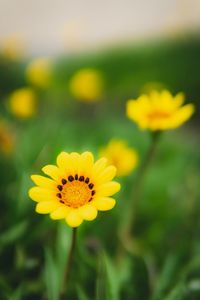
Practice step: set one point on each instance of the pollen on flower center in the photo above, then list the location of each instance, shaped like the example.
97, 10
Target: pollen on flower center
158, 115
75, 192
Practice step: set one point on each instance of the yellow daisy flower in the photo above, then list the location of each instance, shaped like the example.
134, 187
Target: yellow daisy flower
22, 103
77, 188
159, 111
124, 158
39, 72
86, 85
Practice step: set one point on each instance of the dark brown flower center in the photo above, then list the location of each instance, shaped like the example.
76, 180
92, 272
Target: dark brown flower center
75, 191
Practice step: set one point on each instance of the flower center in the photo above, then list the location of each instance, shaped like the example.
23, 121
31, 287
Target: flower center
158, 115
76, 191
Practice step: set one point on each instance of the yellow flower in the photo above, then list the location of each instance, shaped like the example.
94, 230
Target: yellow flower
39, 72
22, 103
6, 139
87, 85
77, 188
124, 158
159, 111
12, 47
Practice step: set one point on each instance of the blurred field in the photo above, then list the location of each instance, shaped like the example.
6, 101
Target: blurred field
33, 248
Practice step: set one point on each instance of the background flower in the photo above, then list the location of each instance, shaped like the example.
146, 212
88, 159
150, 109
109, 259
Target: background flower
22, 103
159, 111
124, 158
87, 85
39, 72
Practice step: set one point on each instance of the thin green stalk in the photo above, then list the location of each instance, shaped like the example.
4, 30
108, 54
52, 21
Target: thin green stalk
137, 187
68, 265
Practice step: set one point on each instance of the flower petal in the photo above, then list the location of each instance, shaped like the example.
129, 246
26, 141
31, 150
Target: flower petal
73, 218
107, 174
43, 181
53, 172
86, 163
88, 212
62, 160
60, 213
104, 203
46, 207
40, 194
98, 167
108, 189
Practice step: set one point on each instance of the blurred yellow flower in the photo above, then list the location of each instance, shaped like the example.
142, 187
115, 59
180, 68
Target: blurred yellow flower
6, 139
39, 72
78, 188
22, 103
12, 47
87, 85
124, 158
159, 111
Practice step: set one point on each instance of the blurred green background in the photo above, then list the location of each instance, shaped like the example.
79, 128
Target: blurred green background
33, 248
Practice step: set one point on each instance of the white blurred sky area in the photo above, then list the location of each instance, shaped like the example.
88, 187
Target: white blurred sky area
54, 26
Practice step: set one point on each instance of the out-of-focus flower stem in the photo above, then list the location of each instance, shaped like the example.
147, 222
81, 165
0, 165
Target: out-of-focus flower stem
136, 191
68, 265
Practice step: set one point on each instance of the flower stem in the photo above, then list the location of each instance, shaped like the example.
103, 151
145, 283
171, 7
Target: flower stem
68, 265
137, 186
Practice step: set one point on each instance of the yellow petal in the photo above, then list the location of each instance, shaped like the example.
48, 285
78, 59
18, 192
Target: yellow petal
107, 174
46, 207
108, 189
104, 203
73, 218
88, 212
62, 160
98, 167
43, 181
40, 194
86, 163
179, 100
53, 172
75, 163
60, 213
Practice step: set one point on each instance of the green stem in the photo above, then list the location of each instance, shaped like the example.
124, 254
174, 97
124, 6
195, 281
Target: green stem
138, 184
68, 265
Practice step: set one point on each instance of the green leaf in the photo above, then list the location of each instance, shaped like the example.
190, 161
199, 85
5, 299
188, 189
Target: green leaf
135, 277
81, 294
177, 293
166, 277
62, 247
51, 276
108, 281
13, 234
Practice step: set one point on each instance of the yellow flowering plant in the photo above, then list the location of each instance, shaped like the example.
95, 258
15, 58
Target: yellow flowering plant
22, 103
156, 112
159, 111
39, 72
77, 188
124, 158
87, 85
